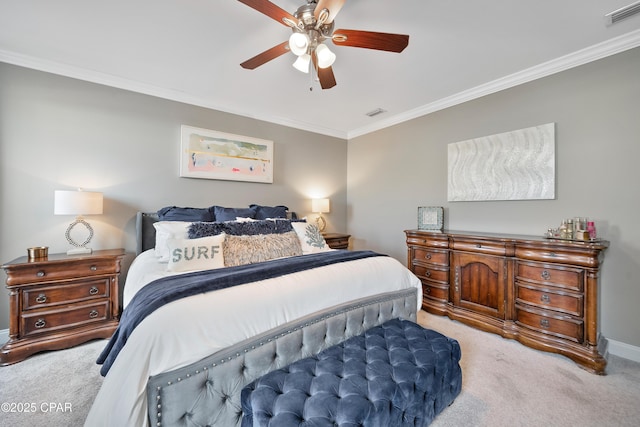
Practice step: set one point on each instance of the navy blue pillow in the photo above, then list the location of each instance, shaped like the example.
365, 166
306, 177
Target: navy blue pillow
222, 214
175, 213
266, 212
243, 228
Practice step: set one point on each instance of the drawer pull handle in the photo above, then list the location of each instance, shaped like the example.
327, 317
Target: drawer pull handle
428, 256
428, 290
428, 273
478, 246
93, 268
552, 254
41, 298
93, 290
40, 323
544, 323
93, 314
545, 299
40, 273
546, 275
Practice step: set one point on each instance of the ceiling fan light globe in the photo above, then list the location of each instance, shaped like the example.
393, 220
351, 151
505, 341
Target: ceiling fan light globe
299, 43
326, 58
302, 63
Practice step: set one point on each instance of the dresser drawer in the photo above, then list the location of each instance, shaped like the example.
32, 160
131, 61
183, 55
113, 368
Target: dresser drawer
435, 241
550, 299
582, 255
551, 323
570, 278
482, 247
435, 291
50, 271
51, 320
431, 273
431, 256
67, 293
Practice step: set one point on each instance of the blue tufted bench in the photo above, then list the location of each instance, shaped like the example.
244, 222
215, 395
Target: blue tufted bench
395, 374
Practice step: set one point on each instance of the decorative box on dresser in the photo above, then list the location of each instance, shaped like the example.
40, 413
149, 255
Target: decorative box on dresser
541, 292
60, 301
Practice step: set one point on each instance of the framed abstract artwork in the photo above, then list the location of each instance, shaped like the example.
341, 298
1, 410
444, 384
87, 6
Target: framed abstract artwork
209, 154
517, 165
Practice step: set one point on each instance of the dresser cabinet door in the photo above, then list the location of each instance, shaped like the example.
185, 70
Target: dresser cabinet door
479, 283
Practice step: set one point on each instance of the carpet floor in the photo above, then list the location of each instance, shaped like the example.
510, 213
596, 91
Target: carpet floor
504, 384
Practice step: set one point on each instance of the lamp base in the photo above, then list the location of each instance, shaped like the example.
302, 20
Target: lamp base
79, 251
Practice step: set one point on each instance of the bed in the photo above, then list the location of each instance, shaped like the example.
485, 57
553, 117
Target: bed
187, 361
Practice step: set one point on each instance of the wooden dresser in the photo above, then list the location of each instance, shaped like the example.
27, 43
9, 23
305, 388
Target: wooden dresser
541, 292
60, 301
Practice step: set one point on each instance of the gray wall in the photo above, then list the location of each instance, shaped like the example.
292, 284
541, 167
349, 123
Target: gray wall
596, 108
58, 133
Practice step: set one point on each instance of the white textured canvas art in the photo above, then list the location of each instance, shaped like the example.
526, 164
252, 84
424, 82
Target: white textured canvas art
517, 165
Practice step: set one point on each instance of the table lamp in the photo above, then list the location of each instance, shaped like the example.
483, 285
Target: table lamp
78, 203
320, 206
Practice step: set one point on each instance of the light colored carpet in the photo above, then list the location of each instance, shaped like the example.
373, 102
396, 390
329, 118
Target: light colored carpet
504, 384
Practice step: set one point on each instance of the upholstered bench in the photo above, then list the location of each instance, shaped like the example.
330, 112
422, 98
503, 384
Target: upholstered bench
395, 374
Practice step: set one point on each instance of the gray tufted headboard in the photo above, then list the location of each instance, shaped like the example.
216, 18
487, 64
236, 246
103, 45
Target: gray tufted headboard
146, 233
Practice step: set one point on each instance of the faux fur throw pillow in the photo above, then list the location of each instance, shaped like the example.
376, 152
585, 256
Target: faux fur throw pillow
241, 250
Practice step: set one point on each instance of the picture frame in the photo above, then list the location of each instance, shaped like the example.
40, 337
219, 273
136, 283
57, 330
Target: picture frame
209, 154
431, 218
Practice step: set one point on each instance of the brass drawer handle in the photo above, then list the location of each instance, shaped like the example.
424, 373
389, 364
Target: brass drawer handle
41, 298
546, 275
40, 273
93, 290
428, 256
40, 323
428, 273
478, 246
428, 290
93, 268
545, 299
93, 314
544, 323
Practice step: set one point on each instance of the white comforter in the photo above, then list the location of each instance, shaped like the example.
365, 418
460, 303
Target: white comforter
189, 329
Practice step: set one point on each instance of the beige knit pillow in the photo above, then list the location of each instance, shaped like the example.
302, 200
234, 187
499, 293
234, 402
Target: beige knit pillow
241, 250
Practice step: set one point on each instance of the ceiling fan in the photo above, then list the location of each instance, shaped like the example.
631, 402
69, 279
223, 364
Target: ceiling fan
312, 24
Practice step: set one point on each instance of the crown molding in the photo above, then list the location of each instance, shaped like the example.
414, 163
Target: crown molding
575, 59
592, 53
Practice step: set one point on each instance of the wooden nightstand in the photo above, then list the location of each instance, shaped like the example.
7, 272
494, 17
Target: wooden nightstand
337, 240
60, 301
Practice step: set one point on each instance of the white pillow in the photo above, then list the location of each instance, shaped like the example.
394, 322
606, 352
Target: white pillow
166, 230
204, 253
310, 237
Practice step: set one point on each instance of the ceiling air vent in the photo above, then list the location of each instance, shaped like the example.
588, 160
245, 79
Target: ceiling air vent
375, 112
622, 13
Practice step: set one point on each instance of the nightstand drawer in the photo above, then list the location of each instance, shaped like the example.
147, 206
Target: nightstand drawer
431, 256
40, 272
47, 296
47, 321
562, 277
548, 299
543, 321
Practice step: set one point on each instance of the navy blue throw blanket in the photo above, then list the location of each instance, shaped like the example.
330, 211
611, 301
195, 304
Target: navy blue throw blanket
167, 289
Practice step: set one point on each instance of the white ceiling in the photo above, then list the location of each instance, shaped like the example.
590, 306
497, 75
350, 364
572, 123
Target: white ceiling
190, 51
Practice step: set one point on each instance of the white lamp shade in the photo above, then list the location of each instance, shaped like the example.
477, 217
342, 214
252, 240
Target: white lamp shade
320, 205
299, 43
77, 203
326, 58
302, 63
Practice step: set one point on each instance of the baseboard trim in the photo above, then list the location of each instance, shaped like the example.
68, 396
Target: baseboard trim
623, 350
4, 336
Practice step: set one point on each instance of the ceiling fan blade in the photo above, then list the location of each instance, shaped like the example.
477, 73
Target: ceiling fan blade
325, 75
266, 56
272, 11
371, 40
333, 6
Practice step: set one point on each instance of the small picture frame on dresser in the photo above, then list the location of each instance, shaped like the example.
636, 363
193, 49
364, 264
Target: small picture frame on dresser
431, 218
